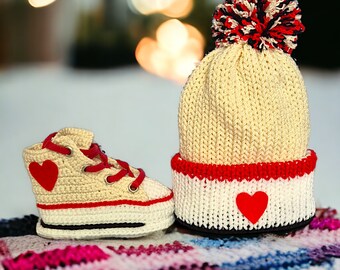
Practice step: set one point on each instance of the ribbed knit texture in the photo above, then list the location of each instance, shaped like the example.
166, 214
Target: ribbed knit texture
315, 247
244, 106
244, 126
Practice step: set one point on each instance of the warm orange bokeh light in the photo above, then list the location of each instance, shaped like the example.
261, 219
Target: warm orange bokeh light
172, 36
175, 52
178, 8
144, 49
170, 8
40, 3
148, 7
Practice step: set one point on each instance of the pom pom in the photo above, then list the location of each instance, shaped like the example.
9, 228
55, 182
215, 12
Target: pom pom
263, 24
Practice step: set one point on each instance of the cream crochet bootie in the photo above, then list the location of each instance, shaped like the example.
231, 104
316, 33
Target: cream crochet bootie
83, 194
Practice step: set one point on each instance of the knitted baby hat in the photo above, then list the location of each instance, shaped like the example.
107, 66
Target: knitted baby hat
243, 165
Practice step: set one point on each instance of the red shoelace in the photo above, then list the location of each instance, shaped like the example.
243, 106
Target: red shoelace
95, 151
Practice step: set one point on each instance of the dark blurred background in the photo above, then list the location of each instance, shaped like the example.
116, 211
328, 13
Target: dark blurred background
97, 34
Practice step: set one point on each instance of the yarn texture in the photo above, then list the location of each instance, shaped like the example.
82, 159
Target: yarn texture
244, 165
262, 24
82, 193
315, 247
241, 106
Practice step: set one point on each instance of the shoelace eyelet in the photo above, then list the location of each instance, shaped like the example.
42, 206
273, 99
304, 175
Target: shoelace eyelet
107, 180
83, 169
71, 151
95, 151
132, 189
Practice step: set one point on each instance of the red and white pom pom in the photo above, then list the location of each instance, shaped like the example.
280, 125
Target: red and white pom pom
263, 24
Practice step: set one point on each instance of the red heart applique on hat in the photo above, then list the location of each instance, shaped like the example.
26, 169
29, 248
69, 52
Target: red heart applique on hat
252, 206
46, 174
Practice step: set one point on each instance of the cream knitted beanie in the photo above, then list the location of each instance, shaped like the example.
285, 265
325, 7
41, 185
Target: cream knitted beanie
243, 165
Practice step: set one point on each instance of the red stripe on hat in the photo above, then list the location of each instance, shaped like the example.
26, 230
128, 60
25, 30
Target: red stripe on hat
240, 172
105, 203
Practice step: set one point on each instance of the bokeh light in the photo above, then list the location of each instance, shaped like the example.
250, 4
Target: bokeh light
144, 50
172, 36
170, 8
178, 8
40, 3
147, 7
175, 52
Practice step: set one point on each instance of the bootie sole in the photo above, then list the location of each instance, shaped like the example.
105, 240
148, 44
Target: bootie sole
122, 221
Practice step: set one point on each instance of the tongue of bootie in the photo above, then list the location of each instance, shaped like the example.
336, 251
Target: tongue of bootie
82, 138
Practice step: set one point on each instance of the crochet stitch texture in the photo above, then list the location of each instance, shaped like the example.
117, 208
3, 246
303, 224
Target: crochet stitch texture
315, 247
82, 193
244, 165
242, 106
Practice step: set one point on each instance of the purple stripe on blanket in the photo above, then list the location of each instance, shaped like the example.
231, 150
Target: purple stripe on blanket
56, 258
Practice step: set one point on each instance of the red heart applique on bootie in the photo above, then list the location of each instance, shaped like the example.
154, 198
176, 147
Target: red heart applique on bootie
46, 174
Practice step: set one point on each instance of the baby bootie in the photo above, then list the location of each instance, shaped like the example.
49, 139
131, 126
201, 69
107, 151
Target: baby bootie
244, 166
82, 193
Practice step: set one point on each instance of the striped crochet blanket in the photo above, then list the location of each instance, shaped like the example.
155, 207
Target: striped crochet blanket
314, 247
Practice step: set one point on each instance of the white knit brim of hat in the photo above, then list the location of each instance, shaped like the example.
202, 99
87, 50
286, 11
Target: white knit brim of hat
244, 198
